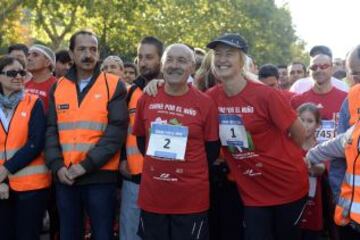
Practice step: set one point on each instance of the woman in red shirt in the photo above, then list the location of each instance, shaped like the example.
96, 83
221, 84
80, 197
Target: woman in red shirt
261, 138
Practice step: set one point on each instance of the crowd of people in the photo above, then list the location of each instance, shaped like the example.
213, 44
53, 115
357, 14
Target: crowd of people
182, 143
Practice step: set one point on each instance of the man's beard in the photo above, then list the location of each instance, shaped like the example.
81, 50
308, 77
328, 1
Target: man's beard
150, 75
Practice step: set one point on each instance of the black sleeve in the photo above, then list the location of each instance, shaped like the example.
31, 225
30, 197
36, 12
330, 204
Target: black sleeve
35, 142
212, 149
140, 142
115, 132
53, 154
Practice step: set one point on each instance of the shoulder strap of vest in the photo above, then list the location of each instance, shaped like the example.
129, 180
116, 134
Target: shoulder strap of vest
107, 87
130, 93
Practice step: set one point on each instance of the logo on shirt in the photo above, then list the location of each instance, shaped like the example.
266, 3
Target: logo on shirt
251, 173
165, 177
63, 106
23, 114
97, 96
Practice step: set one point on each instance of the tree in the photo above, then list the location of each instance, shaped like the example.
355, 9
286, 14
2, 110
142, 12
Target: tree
121, 24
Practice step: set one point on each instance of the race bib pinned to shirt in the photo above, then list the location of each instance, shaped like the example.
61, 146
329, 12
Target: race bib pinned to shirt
232, 132
326, 131
167, 141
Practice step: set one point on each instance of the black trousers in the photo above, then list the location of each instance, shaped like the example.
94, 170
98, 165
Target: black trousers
347, 233
273, 222
226, 211
22, 214
155, 226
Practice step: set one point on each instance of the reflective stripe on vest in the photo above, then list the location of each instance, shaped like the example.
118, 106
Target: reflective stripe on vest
82, 125
348, 206
354, 104
79, 147
349, 179
134, 157
35, 175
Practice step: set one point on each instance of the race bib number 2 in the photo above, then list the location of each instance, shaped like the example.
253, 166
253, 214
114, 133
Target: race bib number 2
167, 141
232, 131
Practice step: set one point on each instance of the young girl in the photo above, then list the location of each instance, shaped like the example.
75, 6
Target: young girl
311, 221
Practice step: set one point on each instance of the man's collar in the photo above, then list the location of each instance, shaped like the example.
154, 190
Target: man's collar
72, 76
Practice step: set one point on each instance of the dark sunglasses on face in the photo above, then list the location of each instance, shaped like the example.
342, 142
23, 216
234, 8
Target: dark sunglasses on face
14, 73
315, 67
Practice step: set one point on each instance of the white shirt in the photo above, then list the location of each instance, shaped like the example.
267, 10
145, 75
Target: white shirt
5, 117
83, 83
304, 84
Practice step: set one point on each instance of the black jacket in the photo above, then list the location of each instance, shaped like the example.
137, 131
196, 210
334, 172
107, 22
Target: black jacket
111, 142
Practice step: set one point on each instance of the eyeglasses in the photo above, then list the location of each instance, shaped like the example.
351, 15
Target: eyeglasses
315, 67
14, 73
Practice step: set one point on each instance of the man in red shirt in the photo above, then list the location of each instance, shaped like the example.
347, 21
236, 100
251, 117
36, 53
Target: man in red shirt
180, 129
41, 64
328, 99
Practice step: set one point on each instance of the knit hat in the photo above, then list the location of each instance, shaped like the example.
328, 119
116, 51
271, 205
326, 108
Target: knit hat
47, 52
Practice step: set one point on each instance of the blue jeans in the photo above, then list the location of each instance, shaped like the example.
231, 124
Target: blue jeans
22, 214
129, 211
98, 200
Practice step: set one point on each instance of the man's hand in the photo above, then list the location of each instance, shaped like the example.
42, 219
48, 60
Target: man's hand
3, 173
75, 171
4, 191
151, 88
124, 169
317, 170
64, 176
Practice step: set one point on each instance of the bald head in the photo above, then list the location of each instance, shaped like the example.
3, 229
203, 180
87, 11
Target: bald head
177, 63
353, 64
179, 47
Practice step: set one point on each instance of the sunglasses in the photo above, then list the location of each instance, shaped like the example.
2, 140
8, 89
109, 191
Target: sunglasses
14, 73
315, 67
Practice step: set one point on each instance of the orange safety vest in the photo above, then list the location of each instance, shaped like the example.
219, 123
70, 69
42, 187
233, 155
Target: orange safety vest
82, 125
35, 175
354, 104
348, 206
135, 159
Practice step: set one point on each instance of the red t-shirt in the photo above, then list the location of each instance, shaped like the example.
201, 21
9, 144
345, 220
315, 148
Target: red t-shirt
41, 89
288, 95
177, 187
329, 105
270, 170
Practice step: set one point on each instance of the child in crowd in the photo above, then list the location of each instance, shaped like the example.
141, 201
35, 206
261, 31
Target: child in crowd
312, 218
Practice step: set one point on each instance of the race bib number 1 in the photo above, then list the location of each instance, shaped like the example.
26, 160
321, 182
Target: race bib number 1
232, 131
167, 141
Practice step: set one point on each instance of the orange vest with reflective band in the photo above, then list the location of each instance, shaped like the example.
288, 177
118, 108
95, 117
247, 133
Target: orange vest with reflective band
82, 125
35, 175
354, 104
348, 206
134, 157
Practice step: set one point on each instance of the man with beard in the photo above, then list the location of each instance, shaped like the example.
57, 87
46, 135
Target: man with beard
149, 53
183, 137
87, 124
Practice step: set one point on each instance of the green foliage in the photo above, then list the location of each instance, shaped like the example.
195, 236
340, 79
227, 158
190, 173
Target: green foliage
120, 24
